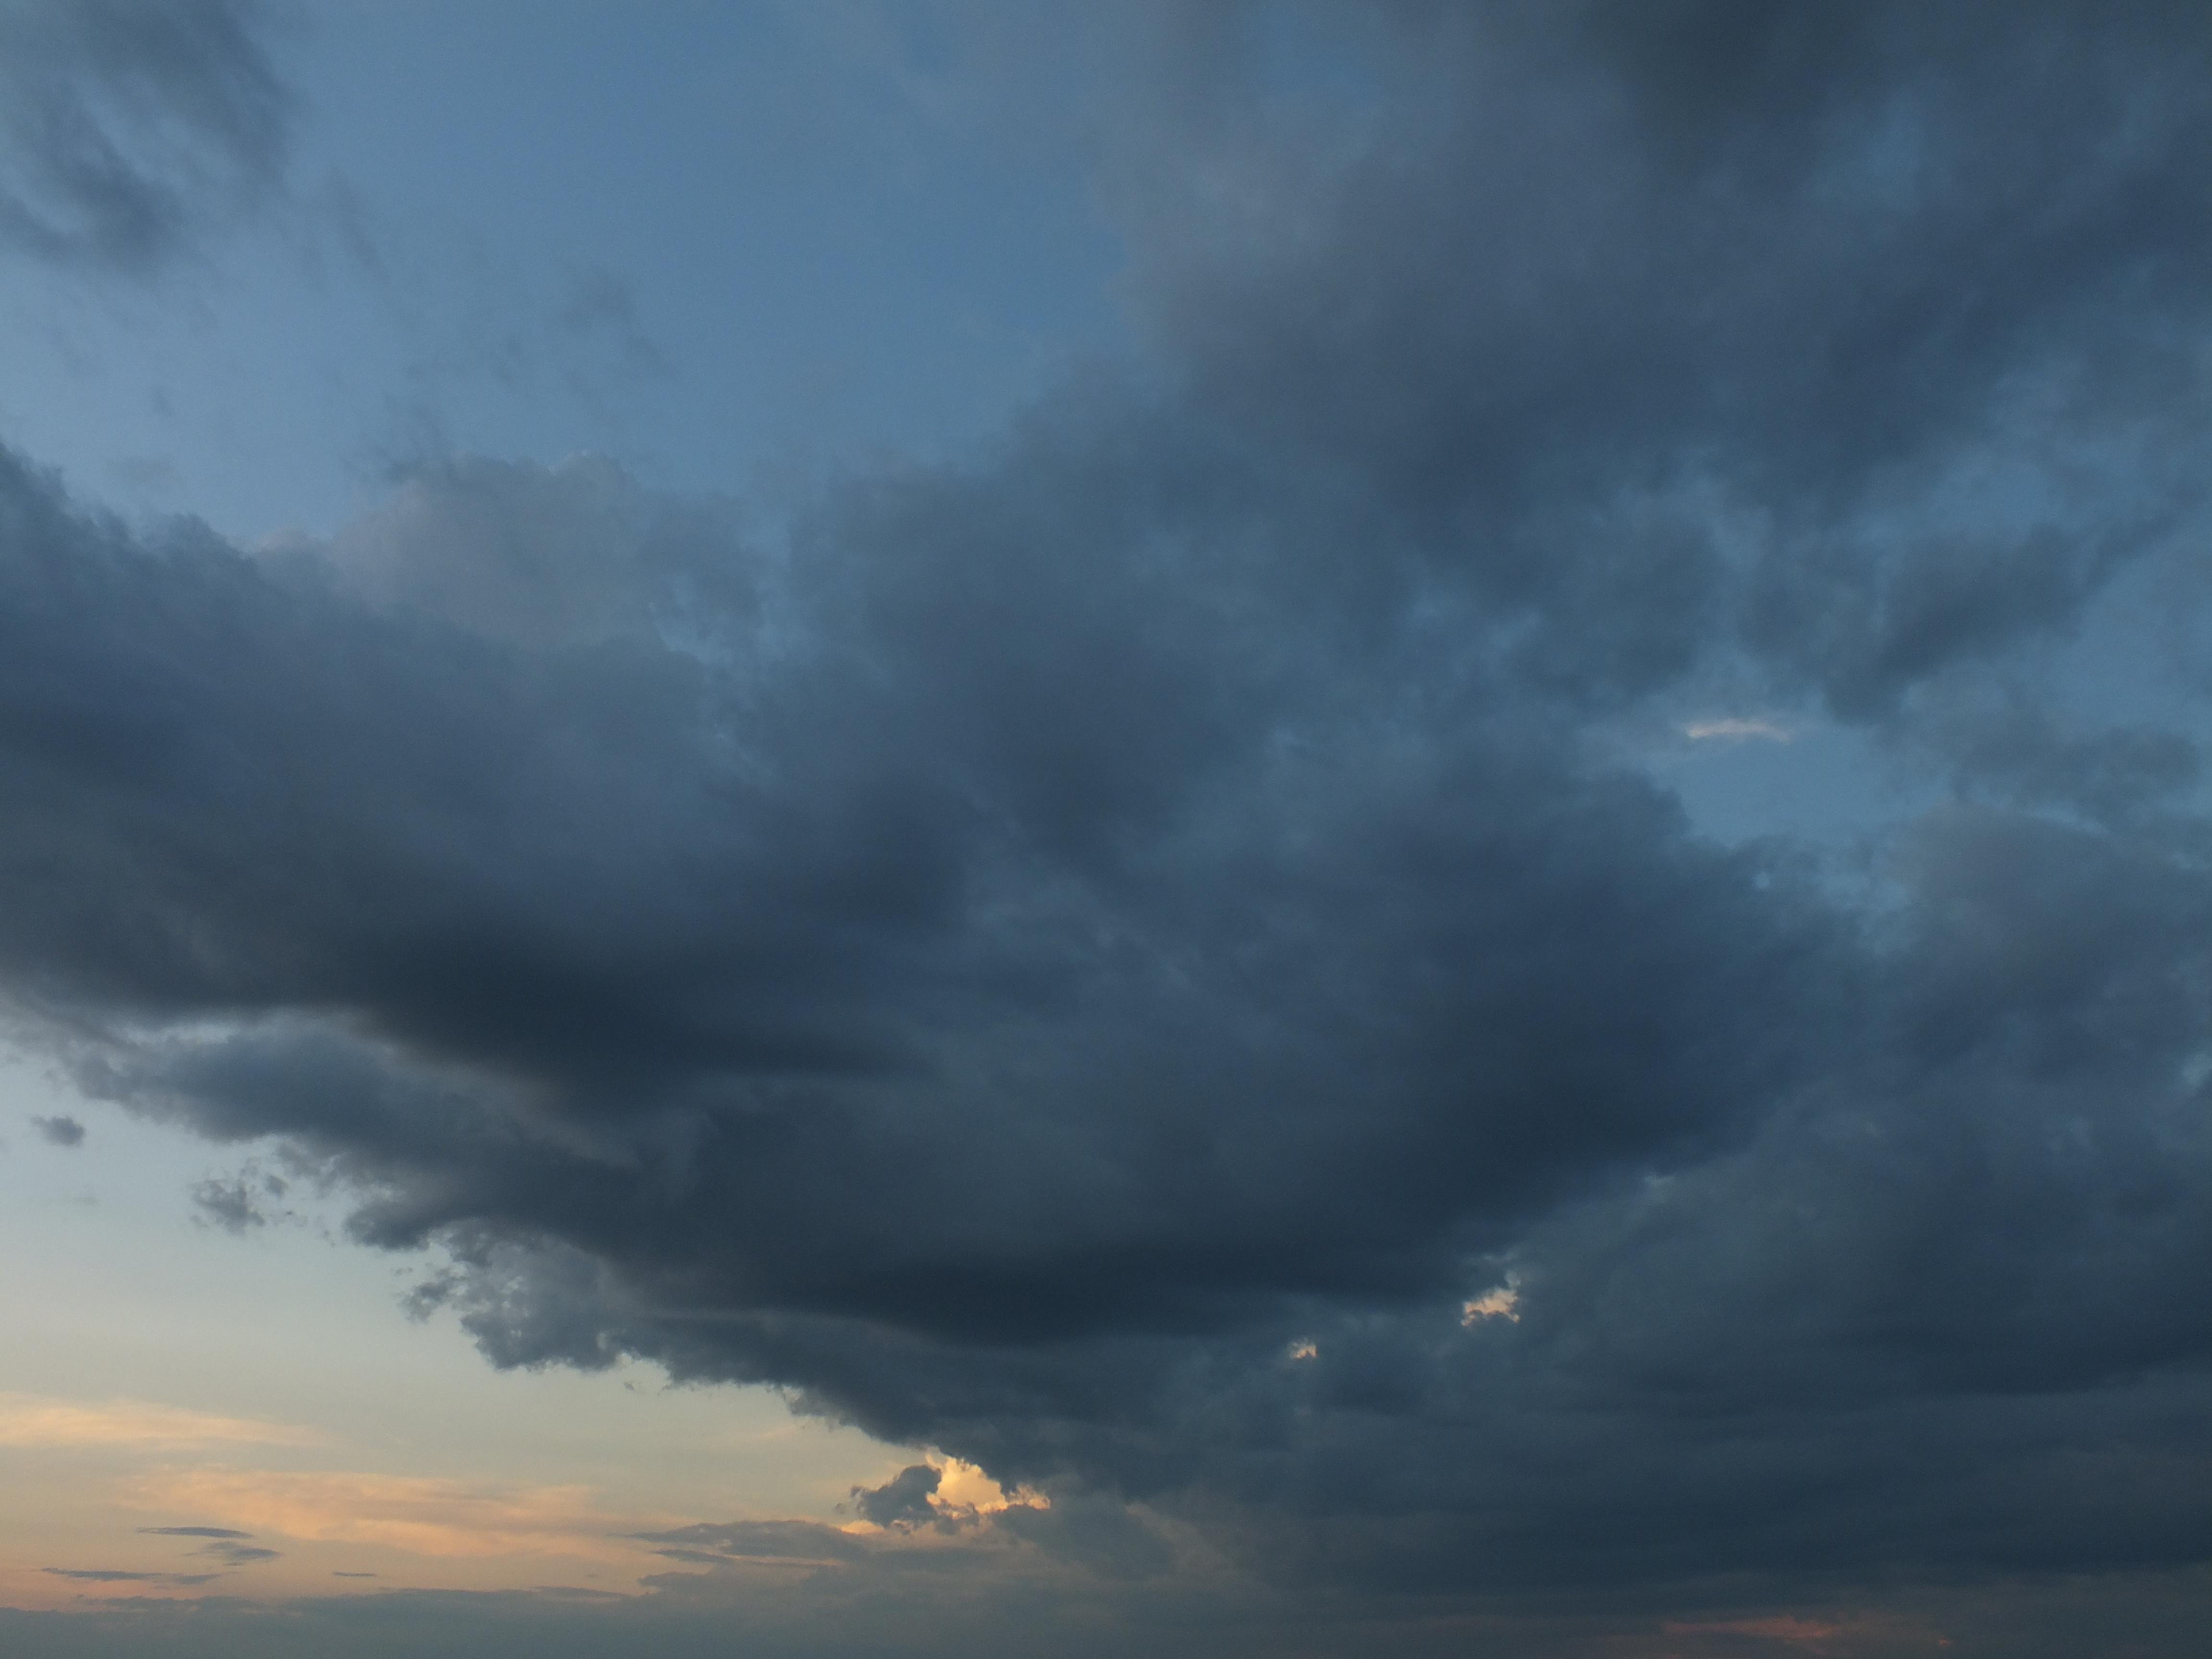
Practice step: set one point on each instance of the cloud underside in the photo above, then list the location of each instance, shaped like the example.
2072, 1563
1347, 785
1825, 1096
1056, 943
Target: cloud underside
1010, 961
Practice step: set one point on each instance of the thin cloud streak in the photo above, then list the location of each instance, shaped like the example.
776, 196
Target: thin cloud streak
1736, 731
34, 1420
422, 1515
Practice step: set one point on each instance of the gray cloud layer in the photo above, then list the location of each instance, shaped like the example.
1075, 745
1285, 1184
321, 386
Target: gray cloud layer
1010, 963
124, 125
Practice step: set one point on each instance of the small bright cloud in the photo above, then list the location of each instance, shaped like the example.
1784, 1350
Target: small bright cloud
1737, 731
965, 1489
1304, 1348
1504, 1302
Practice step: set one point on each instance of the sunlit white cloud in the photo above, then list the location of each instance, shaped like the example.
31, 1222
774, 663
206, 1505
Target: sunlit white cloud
1504, 1302
964, 1489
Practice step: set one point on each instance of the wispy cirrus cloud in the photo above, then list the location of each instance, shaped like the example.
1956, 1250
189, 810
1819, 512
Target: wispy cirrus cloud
45, 1420
421, 1515
119, 1575
126, 129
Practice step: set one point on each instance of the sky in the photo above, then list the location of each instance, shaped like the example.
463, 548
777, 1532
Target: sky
1213, 829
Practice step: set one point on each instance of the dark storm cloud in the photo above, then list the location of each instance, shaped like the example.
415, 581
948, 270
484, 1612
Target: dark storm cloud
894, 929
1780, 323
124, 125
59, 1131
1140, 961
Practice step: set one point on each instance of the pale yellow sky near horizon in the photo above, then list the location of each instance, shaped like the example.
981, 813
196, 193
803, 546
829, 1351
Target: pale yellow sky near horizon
158, 1372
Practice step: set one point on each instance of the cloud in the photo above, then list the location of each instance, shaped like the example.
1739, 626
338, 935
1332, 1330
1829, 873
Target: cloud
905, 1500
196, 1532
128, 127
773, 1543
418, 1515
226, 1544
238, 1555
240, 1202
110, 1575
1011, 963
59, 1131
42, 1420
1736, 731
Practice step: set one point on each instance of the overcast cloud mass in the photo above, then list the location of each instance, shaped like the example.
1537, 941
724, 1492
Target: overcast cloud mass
1167, 958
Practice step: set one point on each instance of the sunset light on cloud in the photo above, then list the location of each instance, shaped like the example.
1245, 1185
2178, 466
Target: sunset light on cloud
417, 1516
971, 827
29, 1421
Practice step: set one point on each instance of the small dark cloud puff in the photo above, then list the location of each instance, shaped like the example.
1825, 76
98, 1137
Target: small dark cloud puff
1152, 960
240, 1202
225, 1544
905, 1500
238, 1555
59, 1131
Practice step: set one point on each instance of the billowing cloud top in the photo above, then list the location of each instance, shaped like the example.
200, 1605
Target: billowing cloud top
1013, 957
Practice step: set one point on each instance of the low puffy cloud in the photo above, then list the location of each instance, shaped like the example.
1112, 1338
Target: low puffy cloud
1009, 962
905, 1500
59, 1131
